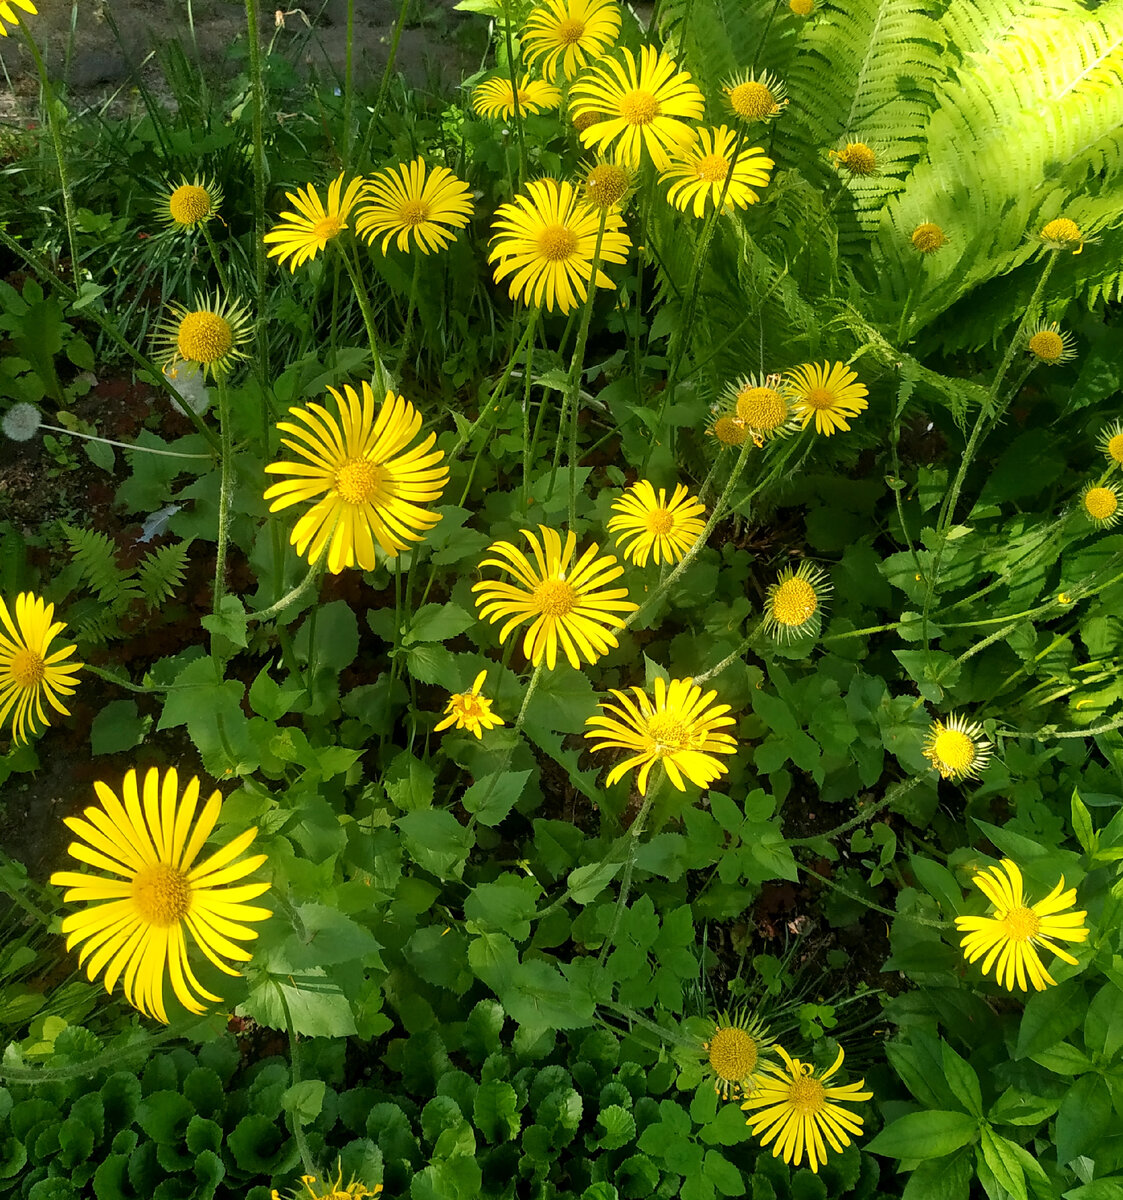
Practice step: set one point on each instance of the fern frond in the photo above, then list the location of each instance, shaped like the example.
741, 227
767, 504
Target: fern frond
160, 572
95, 555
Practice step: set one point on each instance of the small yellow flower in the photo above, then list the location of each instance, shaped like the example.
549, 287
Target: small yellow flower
1049, 345
28, 672
928, 238
1064, 598
856, 158
802, 8
469, 710
1111, 443
494, 98
793, 606
1010, 937
1062, 234
752, 97
414, 200
829, 394
728, 430
956, 748
303, 234
652, 525
607, 185
761, 406
1101, 504
737, 1050
208, 337
700, 172
192, 203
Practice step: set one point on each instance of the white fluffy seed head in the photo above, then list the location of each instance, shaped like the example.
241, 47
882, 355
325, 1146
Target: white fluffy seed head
21, 422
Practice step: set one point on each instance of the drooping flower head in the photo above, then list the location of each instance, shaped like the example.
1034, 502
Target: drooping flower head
367, 486
303, 234
190, 204
29, 672
795, 1107
1062, 233
1100, 504
762, 407
565, 598
1010, 937
1049, 345
414, 200
680, 727
494, 97
652, 525
751, 97
565, 34
207, 337
793, 605
156, 893
645, 108
9, 15
315, 1189
928, 238
831, 395
1111, 443
469, 710
957, 748
737, 1050
545, 240
856, 158
698, 173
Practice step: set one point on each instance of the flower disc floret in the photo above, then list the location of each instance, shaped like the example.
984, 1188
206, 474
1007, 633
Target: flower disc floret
565, 34
700, 173
829, 395
413, 201
928, 238
494, 97
207, 337
651, 525
802, 8
793, 606
30, 672
606, 185
957, 748
304, 233
190, 203
761, 406
1100, 503
751, 97
1062, 233
856, 158
736, 1050
728, 430
1111, 443
1049, 345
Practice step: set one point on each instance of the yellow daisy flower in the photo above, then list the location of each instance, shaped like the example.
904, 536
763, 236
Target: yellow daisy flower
494, 98
793, 606
737, 1050
956, 748
7, 13
402, 201
829, 394
208, 337
1049, 345
1062, 233
1100, 503
762, 407
795, 1107
545, 240
928, 238
699, 172
28, 673
190, 204
368, 488
649, 523
856, 158
679, 728
565, 598
301, 235
469, 710
645, 108
1010, 937
752, 97
565, 33
314, 1190
1111, 443
137, 927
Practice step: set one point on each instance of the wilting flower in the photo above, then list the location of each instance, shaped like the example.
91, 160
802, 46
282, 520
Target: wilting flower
796, 1108
1100, 503
829, 394
301, 235
679, 728
192, 203
565, 598
28, 671
645, 108
652, 525
699, 172
314, 1190
793, 605
1049, 345
856, 158
737, 1051
753, 97
545, 240
566, 33
7, 13
1062, 234
367, 486
956, 748
469, 710
928, 238
1010, 937
1111, 443
494, 97
762, 408
136, 929
404, 201
208, 337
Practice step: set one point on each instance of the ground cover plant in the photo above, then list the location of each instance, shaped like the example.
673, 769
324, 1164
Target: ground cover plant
562, 639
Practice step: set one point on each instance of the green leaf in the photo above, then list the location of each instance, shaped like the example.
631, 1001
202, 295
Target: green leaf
316, 1002
229, 622
325, 936
337, 637
491, 798
272, 700
962, 1080
616, 1126
304, 1101
504, 906
1103, 1026
586, 883
437, 623
76, 1142
1003, 1163
1049, 1017
1084, 1117
1082, 824
118, 726
1110, 1188
409, 782
925, 1135
164, 1116
1063, 1059
941, 1179
436, 841
495, 1111
261, 1147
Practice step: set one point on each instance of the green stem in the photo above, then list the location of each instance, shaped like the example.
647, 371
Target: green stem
222, 277
528, 448
257, 90
363, 297
764, 35
294, 1054
224, 492
91, 437
395, 38
290, 597
516, 109
729, 659
411, 305
635, 832
493, 403
898, 790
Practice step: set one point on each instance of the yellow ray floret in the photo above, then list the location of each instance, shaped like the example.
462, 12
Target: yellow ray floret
699, 173
565, 34
469, 710
830, 395
302, 234
652, 525
29, 672
495, 98
414, 200
10, 16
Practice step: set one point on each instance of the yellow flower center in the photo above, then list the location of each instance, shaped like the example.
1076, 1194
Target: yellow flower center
27, 668
639, 107
820, 398
730, 431
470, 705
954, 749
1021, 924
161, 894
712, 168
357, 480
327, 228
858, 159
801, 8
794, 602
414, 212
570, 31
660, 521
1061, 230
582, 121
606, 184
669, 734
733, 1054
189, 204
752, 101
1115, 447
1101, 503
761, 408
806, 1095
557, 242
928, 238
204, 337
554, 598
1047, 345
